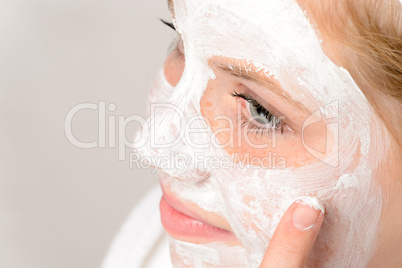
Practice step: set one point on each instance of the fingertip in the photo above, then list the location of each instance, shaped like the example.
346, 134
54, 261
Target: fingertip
307, 212
312, 201
295, 234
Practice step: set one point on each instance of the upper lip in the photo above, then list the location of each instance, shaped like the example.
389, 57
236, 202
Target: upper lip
179, 206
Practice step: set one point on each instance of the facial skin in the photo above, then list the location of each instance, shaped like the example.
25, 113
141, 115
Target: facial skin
249, 202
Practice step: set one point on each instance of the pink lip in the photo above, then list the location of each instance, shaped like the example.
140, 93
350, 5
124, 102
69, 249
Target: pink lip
186, 228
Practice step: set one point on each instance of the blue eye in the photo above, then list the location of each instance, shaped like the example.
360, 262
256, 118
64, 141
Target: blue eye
261, 118
259, 113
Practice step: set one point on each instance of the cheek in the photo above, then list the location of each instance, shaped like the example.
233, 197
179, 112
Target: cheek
222, 111
173, 68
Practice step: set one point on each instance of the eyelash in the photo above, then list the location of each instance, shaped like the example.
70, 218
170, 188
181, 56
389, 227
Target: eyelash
176, 49
169, 24
274, 123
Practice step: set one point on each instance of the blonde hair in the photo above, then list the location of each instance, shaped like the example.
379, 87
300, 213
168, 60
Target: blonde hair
368, 37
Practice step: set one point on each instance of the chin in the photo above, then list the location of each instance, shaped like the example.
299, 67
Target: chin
215, 254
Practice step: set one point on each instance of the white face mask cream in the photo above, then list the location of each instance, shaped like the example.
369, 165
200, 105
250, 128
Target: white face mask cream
277, 38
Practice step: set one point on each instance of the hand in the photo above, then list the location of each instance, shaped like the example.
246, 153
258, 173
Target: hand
295, 234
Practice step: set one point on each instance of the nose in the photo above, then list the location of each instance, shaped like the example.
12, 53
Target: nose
195, 176
165, 140
156, 95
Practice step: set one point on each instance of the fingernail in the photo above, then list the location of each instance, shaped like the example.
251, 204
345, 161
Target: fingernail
306, 212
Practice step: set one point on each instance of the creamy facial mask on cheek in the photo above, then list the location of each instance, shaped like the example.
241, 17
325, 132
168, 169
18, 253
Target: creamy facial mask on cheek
277, 37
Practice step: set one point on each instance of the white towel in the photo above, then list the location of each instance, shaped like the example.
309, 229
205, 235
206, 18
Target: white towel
141, 241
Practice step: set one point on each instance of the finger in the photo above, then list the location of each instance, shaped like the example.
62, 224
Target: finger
295, 234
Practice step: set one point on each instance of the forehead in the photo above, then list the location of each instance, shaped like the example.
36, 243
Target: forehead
264, 27
274, 35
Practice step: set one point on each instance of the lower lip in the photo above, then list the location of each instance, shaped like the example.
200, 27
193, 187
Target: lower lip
186, 228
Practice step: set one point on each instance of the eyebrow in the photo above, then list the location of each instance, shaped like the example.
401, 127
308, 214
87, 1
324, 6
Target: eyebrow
253, 76
257, 77
240, 72
171, 7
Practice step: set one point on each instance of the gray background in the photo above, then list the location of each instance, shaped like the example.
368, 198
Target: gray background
60, 206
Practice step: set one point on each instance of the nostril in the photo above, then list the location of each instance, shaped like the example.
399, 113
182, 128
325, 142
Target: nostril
202, 174
197, 176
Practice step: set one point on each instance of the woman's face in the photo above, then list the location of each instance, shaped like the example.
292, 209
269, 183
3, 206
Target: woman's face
252, 114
